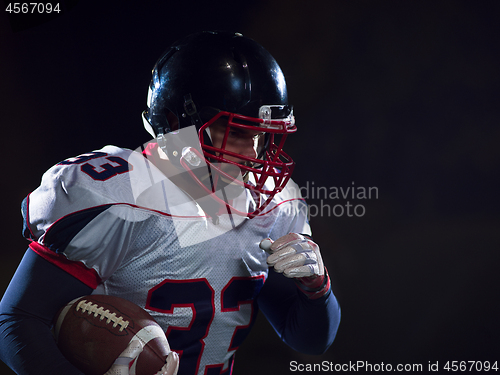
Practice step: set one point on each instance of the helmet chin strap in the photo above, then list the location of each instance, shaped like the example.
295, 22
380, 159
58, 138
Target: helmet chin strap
191, 111
162, 142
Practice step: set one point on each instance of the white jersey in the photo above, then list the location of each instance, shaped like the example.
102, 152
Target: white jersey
147, 241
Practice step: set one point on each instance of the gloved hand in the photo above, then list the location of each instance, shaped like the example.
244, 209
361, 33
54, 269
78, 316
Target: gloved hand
122, 363
298, 257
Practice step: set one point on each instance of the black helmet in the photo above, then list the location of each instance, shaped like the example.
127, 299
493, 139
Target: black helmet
209, 75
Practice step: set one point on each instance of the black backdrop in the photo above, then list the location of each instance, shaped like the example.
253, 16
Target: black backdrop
399, 96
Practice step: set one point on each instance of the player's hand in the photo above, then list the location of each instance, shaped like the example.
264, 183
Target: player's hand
294, 255
129, 355
171, 365
298, 257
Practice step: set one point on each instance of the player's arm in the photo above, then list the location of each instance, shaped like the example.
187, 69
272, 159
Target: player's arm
35, 294
297, 298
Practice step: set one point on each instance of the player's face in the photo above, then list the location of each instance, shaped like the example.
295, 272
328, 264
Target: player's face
240, 141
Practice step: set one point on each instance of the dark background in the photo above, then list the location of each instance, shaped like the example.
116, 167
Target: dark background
398, 95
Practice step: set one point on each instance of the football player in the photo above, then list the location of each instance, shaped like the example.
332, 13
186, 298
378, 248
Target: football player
202, 226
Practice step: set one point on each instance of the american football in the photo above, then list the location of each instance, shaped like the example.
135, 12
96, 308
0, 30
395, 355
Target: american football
92, 331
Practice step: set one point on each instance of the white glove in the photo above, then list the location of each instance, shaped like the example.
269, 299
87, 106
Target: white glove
299, 258
171, 365
122, 363
294, 255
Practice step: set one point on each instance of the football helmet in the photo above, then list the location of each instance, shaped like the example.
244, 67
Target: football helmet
210, 76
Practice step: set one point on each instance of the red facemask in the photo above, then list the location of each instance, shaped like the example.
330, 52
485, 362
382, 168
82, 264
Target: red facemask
264, 176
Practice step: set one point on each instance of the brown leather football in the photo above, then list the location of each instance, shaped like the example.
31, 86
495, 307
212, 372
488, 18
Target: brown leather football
92, 331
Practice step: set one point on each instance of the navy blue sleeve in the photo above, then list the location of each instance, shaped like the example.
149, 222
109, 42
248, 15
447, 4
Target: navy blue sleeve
306, 325
35, 294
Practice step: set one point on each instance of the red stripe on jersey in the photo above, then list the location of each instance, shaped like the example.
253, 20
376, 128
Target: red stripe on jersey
88, 276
